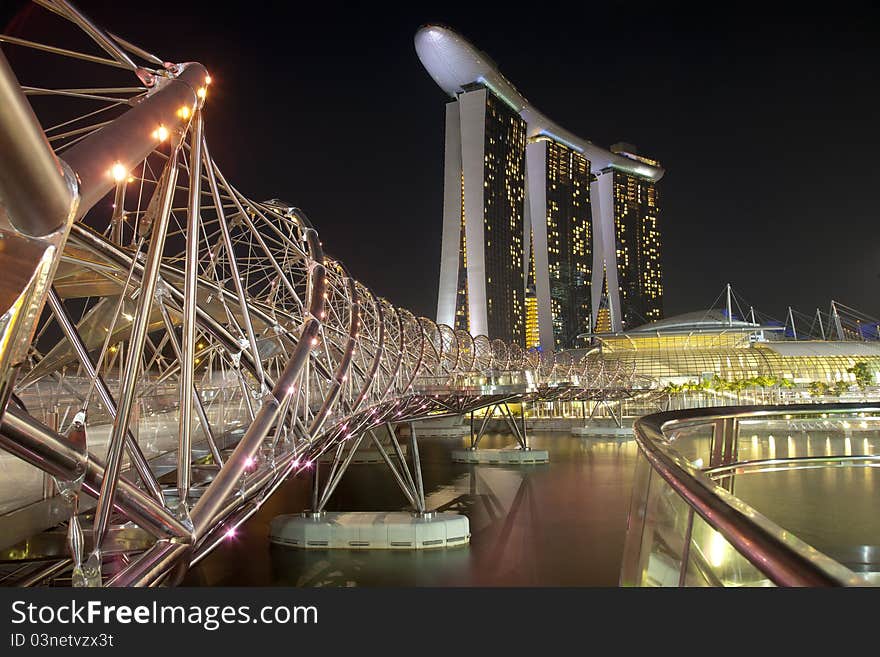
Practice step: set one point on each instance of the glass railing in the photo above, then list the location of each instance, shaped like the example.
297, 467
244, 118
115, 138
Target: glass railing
154, 427
756, 496
519, 381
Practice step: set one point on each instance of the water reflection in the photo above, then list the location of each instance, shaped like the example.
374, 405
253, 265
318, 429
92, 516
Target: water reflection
556, 524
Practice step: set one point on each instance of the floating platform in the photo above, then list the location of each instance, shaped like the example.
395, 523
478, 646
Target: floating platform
367, 530
592, 430
508, 456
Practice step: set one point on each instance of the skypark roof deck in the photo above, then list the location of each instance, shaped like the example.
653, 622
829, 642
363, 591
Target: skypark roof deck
453, 63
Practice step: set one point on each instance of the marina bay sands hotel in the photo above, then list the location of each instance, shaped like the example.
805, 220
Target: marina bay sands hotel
546, 236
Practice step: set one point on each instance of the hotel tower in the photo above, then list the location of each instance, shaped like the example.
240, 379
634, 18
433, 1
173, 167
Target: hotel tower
546, 236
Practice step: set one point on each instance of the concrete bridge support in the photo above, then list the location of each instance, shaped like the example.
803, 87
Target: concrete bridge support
522, 453
418, 529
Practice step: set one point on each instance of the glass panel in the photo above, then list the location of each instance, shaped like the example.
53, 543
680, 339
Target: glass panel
663, 537
715, 562
694, 443
630, 566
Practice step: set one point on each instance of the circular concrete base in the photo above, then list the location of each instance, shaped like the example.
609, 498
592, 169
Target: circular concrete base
369, 530
509, 456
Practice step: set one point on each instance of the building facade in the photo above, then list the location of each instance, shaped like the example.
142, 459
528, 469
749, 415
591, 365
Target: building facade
561, 229
482, 278
628, 240
539, 225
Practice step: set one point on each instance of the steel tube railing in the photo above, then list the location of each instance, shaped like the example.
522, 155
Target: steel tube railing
38, 445
33, 187
130, 138
784, 559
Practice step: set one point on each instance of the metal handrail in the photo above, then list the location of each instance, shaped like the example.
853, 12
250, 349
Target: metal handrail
783, 558
796, 463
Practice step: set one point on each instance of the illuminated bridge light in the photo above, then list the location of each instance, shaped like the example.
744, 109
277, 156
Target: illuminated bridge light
118, 172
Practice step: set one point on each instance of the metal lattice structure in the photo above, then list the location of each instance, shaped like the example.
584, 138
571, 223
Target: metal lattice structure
170, 350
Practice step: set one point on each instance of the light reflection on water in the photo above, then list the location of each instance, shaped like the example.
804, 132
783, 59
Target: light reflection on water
558, 524
832, 507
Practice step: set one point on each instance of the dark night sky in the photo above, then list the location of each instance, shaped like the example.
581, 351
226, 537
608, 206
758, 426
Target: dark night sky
765, 119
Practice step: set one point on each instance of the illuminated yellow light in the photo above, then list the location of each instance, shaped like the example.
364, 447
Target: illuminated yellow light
207, 79
202, 92
118, 172
160, 133
184, 112
718, 549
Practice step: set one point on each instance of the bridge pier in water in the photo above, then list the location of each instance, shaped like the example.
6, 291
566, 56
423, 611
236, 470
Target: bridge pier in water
616, 427
421, 528
522, 453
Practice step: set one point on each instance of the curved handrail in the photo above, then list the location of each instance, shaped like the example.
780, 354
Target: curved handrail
783, 558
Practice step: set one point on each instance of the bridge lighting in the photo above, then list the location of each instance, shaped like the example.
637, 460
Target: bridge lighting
160, 133
184, 112
118, 172
231, 533
202, 92
207, 79
249, 462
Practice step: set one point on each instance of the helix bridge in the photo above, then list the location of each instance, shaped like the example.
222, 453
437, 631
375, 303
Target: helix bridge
171, 351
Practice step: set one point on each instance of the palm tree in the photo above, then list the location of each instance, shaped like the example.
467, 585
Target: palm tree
818, 389
863, 375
